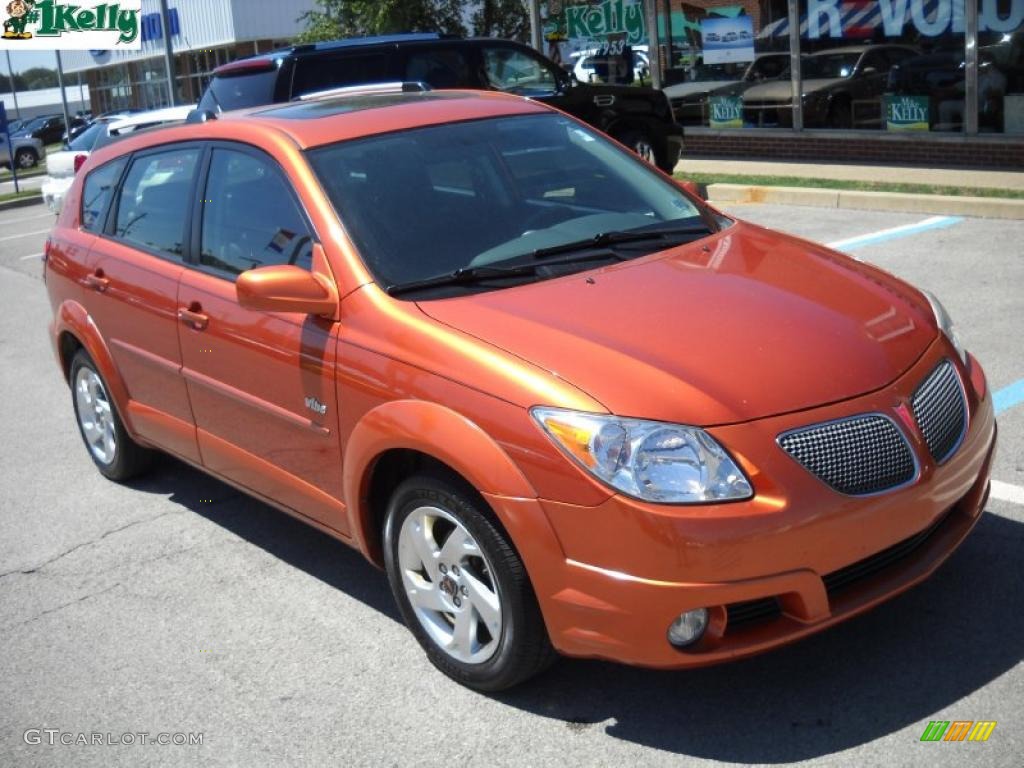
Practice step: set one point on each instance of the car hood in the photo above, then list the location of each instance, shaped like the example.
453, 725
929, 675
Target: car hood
782, 90
744, 324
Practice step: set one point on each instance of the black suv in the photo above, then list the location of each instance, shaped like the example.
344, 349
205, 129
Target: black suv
638, 117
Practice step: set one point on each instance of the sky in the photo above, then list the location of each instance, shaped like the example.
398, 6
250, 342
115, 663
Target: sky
23, 60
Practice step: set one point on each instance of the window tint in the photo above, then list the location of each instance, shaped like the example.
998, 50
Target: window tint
84, 141
509, 69
155, 199
240, 91
439, 67
317, 73
96, 193
251, 219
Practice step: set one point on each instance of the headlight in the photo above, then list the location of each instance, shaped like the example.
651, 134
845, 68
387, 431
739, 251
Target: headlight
648, 460
946, 325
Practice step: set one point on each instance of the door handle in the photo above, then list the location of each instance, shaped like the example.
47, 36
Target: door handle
97, 281
192, 316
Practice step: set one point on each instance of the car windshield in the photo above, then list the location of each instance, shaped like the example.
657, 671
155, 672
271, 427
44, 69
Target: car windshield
84, 141
829, 65
432, 201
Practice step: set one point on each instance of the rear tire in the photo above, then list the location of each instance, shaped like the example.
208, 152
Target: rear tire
112, 450
461, 587
26, 158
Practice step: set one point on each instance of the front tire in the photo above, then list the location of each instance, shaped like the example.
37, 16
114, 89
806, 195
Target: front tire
461, 587
112, 450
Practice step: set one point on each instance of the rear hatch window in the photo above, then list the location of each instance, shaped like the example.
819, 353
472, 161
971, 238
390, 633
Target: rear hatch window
240, 91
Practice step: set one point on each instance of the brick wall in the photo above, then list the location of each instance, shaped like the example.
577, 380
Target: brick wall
1003, 153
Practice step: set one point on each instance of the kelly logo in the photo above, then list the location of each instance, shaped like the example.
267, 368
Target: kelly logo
612, 17
49, 24
958, 730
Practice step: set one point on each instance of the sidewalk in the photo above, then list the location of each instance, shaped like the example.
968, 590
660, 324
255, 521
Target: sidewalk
963, 177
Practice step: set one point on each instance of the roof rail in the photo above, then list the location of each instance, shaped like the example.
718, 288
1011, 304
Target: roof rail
414, 86
200, 116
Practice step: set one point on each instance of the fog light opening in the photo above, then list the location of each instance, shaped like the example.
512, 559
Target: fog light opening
688, 628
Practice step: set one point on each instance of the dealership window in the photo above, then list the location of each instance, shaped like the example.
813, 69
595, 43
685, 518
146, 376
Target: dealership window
1001, 66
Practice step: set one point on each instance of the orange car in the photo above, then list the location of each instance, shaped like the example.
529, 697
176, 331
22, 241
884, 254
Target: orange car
566, 405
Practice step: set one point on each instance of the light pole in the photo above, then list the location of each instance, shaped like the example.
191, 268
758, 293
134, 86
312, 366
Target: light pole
63, 95
14, 89
165, 22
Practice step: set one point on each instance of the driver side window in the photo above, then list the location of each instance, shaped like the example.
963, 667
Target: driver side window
514, 71
250, 218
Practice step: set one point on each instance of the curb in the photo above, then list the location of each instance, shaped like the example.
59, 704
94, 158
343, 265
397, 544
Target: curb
900, 202
21, 202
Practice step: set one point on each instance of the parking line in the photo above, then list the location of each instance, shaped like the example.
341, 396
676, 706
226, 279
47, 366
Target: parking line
1007, 492
893, 233
25, 234
30, 256
1008, 397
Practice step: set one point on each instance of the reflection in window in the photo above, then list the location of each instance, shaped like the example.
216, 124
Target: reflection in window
250, 218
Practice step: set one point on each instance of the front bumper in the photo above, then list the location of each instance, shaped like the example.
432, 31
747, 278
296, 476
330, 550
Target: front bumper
795, 559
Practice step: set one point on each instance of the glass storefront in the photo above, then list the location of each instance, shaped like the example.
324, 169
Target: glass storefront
930, 66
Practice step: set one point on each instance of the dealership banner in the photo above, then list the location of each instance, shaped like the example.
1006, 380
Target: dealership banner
47, 25
727, 40
725, 112
906, 113
605, 27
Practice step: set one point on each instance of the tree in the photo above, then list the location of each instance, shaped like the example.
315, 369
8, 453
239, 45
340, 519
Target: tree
507, 19
351, 18
39, 77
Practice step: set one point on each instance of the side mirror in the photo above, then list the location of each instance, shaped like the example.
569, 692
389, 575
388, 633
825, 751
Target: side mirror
286, 288
693, 188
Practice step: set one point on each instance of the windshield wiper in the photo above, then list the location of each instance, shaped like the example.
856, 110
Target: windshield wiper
618, 237
471, 275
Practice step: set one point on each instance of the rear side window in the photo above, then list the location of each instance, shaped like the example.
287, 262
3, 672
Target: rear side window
97, 192
240, 91
250, 218
439, 67
319, 73
155, 199
84, 141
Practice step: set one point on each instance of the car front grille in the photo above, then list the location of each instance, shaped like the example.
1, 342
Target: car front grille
856, 456
940, 410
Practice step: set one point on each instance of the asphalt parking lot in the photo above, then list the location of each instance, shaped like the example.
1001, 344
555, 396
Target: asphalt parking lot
177, 605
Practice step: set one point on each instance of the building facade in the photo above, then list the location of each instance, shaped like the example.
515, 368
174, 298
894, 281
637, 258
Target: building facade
204, 34
917, 81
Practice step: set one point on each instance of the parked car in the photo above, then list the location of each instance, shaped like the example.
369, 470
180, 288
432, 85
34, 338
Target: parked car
78, 124
28, 152
47, 128
638, 117
62, 166
690, 99
611, 425
842, 88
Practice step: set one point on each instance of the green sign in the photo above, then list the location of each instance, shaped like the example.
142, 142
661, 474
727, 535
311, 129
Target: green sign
610, 18
725, 112
906, 113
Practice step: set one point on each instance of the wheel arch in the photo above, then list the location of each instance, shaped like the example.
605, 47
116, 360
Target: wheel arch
401, 437
74, 329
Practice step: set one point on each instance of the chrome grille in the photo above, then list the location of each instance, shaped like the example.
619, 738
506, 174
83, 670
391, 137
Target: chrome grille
856, 456
940, 410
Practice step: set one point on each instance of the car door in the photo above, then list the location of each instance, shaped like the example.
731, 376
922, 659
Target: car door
261, 384
134, 267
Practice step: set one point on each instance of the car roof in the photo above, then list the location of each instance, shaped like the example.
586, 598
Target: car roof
860, 49
167, 114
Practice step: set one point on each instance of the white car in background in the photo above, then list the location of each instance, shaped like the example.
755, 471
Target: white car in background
585, 68
62, 166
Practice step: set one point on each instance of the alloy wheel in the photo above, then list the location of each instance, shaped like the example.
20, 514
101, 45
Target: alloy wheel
95, 415
450, 585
